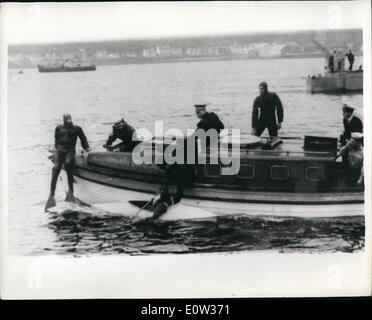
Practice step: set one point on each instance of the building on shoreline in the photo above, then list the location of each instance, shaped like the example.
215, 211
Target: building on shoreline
254, 46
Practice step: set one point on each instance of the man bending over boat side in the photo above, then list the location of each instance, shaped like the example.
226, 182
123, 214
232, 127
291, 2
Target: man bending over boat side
352, 154
65, 141
126, 133
351, 124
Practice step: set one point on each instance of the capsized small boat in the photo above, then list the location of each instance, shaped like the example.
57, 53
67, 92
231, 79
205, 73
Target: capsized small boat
292, 178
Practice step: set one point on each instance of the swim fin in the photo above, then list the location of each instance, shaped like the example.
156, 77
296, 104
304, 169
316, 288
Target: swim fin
51, 202
70, 197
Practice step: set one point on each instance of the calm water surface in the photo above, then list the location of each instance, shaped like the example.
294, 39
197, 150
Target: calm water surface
142, 94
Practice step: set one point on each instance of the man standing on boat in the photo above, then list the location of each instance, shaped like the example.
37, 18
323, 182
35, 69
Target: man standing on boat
351, 124
65, 141
267, 112
350, 58
331, 61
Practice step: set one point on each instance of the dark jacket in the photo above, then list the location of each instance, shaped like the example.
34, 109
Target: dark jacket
354, 125
125, 134
65, 138
350, 57
265, 108
331, 61
210, 121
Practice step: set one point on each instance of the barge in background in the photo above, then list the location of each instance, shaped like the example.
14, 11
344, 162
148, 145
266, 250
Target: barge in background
66, 67
298, 178
336, 82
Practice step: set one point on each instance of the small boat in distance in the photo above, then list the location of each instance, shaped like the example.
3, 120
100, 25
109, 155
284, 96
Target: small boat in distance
67, 66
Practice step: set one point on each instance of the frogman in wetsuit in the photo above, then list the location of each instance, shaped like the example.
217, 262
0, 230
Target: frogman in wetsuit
267, 112
126, 133
182, 176
65, 141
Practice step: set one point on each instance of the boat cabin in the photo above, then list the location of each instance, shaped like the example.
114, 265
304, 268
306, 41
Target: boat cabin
293, 165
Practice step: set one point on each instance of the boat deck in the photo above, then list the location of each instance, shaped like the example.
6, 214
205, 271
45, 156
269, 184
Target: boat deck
290, 148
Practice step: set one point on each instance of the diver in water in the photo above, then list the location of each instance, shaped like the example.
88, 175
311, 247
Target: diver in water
180, 175
126, 133
65, 141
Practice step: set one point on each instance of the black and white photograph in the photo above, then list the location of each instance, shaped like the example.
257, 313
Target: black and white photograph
224, 141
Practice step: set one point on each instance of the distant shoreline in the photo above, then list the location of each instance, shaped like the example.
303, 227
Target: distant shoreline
137, 61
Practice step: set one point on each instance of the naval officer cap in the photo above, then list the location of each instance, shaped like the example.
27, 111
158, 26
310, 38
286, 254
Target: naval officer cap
347, 108
201, 105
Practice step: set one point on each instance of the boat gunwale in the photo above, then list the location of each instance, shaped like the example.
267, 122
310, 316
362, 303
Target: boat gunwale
251, 192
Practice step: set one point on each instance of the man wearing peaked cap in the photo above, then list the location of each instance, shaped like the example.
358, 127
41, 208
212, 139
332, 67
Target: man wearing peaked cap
351, 124
208, 120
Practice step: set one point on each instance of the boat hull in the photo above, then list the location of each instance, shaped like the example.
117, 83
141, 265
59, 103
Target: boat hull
67, 69
94, 192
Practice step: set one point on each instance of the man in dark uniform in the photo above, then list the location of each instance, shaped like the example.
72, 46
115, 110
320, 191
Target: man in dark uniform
331, 61
65, 141
350, 58
123, 131
267, 112
351, 124
208, 120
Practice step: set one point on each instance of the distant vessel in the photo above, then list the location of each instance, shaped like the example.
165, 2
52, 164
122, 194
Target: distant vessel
336, 82
66, 67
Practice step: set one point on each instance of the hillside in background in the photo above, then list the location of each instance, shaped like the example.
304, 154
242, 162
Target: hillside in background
242, 46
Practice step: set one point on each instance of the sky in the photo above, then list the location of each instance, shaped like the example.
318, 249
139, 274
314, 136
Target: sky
65, 22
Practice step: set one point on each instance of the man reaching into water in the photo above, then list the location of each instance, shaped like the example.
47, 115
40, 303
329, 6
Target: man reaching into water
126, 133
65, 141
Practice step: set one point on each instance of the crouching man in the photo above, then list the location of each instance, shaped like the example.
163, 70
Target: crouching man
126, 133
352, 154
65, 141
